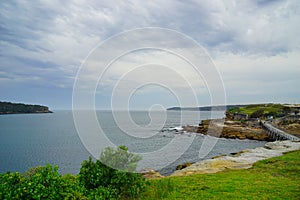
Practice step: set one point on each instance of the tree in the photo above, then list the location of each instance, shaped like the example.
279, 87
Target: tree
120, 159
287, 110
257, 114
112, 176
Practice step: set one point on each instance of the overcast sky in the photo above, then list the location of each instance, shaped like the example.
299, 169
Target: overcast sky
254, 44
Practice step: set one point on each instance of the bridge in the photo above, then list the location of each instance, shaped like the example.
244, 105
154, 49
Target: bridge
276, 133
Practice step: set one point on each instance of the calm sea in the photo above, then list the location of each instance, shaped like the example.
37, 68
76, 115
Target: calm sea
28, 140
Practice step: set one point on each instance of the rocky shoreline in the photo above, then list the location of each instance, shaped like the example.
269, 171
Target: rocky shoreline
241, 160
36, 112
231, 129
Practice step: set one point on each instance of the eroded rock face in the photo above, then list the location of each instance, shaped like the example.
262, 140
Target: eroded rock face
244, 133
185, 165
241, 160
293, 128
230, 129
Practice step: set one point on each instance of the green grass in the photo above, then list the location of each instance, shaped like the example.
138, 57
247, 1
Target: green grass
268, 108
275, 178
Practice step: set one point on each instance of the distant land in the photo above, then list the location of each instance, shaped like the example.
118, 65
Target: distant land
20, 108
207, 108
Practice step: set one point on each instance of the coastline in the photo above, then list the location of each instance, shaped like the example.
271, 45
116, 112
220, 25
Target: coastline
18, 113
240, 160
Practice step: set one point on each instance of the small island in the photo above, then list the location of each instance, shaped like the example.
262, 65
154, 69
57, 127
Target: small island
20, 108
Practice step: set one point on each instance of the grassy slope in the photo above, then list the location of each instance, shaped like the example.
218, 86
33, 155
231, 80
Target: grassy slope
275, 178
252, 108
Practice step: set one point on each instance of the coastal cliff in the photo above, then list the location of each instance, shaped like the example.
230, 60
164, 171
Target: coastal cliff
20, 108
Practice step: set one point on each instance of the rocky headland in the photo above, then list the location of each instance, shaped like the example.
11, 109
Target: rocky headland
245, 122
20, 108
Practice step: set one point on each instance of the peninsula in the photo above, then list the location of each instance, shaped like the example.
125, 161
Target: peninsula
206, 108
20, 108
245, 122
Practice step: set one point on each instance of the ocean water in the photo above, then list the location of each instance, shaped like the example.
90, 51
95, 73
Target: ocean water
28, 140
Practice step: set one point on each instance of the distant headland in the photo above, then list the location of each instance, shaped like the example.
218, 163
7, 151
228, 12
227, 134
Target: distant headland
207, 108
20, 108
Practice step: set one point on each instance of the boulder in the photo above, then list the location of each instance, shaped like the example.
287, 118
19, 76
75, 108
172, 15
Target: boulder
151, 174
179, 167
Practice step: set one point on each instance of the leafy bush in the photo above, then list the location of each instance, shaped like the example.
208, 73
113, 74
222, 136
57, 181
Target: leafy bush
102, 193
94, 174
106, 182
120, 159
40, 183
13, 186
95, 180
45, 183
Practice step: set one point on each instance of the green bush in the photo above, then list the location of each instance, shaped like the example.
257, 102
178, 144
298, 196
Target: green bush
257, 113
40, 183
120, 159
94, 174
102, 193
107, 182
95, 180
13, 186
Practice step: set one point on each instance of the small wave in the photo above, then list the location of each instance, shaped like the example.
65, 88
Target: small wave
177, 128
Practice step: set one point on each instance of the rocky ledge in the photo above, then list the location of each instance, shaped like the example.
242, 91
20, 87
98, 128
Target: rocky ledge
151, 174
241, 160
230, 129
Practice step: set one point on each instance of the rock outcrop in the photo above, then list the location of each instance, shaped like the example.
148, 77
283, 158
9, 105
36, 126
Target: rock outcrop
241, 160
185, 165
230, 129
151, 174
292, 127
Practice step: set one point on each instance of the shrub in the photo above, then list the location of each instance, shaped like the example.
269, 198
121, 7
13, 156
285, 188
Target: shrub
107, 182
257, 113
95, 180
120, 159
102, 193
40, 183
13, 186
95, 174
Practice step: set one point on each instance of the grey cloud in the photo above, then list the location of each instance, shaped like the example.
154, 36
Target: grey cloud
267, 2
49, 39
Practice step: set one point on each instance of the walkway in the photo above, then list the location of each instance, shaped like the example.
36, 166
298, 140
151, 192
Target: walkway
276, 133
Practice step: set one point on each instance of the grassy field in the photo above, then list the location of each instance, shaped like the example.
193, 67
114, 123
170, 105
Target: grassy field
267, 108
275, 178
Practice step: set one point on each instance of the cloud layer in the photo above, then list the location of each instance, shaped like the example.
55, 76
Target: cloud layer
254, 43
